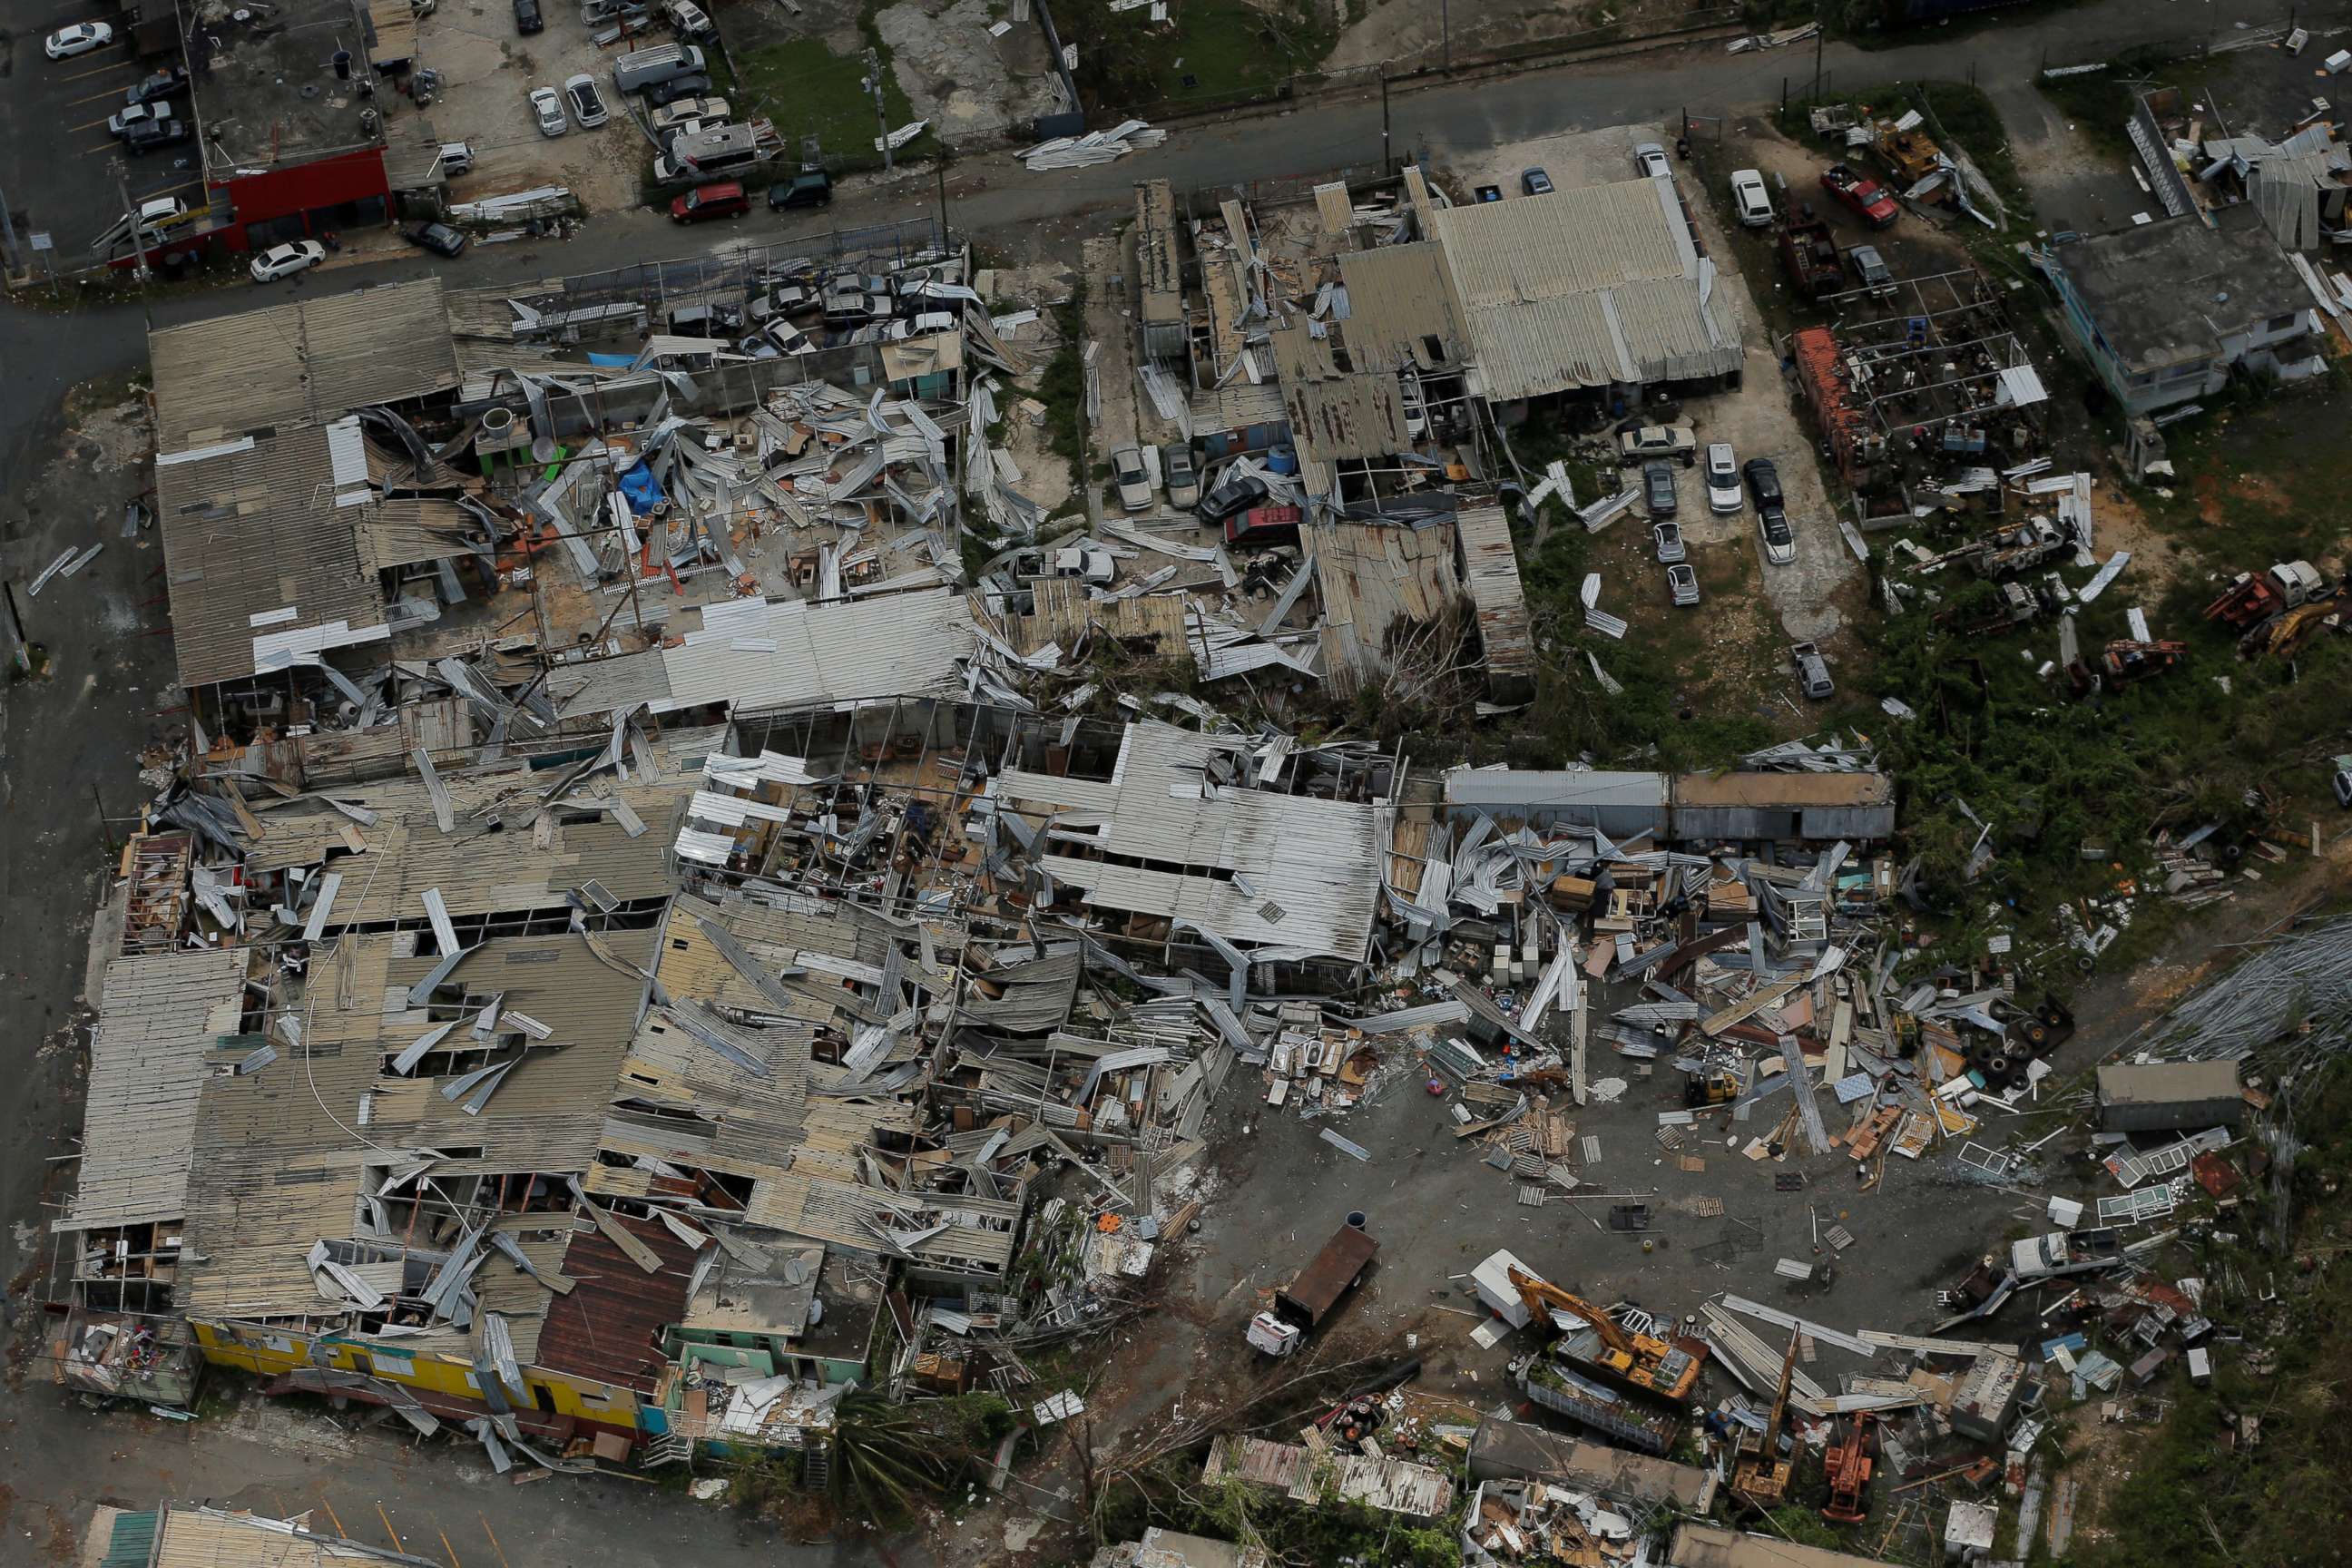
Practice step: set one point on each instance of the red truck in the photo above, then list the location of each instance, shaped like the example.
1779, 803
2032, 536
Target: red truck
1860, 194
1265, 526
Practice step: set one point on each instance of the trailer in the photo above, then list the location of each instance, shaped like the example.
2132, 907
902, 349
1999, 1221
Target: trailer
1811, 254
1565, 1392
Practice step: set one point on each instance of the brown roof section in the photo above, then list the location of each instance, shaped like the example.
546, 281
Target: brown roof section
609, 1329
1784, 791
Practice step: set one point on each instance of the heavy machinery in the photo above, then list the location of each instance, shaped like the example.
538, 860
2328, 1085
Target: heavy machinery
1910, 152
2253, 597
2125, 663
1760, 1474
2285, 632
1849, 1464
1716, 1085
2011, 604
1642, 1362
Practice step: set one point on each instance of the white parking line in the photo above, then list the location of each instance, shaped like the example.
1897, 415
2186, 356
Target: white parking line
122, 64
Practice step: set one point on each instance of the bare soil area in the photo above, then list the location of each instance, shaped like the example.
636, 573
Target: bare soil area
488, 70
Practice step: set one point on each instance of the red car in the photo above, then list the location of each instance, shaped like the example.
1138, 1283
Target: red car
1264, 525
725, 199
1860, 194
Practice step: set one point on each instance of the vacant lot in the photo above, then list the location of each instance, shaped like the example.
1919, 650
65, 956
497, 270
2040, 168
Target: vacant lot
488, 70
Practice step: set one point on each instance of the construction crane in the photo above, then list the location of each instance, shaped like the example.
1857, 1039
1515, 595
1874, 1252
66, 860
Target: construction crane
1643, 1362
1849, 1465
1760, 1474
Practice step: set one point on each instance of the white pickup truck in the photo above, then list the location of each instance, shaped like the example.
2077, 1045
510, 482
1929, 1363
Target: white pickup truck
2064, 1252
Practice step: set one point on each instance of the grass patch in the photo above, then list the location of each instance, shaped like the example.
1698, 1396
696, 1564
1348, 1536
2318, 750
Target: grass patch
2248, 492
2096, 107
1233, 47
805, 89
1965, 116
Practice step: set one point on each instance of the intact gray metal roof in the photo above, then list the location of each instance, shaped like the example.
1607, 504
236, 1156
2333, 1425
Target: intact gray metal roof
1517, 787
1312, 866
1586, 287
791, 652
158, 1016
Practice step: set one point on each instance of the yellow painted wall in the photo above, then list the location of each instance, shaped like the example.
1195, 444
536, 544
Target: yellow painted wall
269, 1353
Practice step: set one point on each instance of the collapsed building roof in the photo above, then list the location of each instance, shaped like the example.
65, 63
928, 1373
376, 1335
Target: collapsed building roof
1162, 836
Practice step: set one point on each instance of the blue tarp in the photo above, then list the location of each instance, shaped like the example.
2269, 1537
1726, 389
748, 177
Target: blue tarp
639, 485
617, 361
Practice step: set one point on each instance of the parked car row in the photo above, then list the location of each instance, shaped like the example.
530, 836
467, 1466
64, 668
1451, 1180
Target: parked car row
1730, 487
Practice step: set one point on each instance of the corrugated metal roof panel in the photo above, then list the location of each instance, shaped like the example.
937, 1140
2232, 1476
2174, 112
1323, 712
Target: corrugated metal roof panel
1314, 864
1496, 787
255, 547
893, 646
300, 364
1585, 287
158, 1016
1492, 574
1397, 298
609, 1328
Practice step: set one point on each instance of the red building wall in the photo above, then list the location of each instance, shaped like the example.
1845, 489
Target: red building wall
323, 181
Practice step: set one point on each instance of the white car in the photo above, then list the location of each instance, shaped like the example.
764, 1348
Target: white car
1723, 493
1750, 200
547, 108
1133, 479
285, 260
921, 326
78, 39
1650, 160
587, 104
670, 116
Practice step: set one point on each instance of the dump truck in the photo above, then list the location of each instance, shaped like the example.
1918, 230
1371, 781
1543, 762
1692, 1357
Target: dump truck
2253, 597
1810, 253
2064, 1252
1309, 1297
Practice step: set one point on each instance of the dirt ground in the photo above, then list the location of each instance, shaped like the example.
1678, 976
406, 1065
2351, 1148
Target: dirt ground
969, 84
487, 73
1378, 30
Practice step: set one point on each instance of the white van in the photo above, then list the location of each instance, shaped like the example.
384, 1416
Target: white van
642, 68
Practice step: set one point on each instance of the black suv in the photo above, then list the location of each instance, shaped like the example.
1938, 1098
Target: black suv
527, 17
809, 188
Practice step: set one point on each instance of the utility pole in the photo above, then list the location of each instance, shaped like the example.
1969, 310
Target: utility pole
138, 241
1817, 36
8, 252
1445, 33
1386, 164
943, 196
24, 652
881, 115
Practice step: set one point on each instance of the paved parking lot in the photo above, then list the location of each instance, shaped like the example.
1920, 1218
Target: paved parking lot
57, 163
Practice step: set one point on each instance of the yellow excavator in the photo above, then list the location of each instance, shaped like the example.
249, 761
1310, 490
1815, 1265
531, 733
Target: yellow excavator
1760, 1474
1643, 1362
